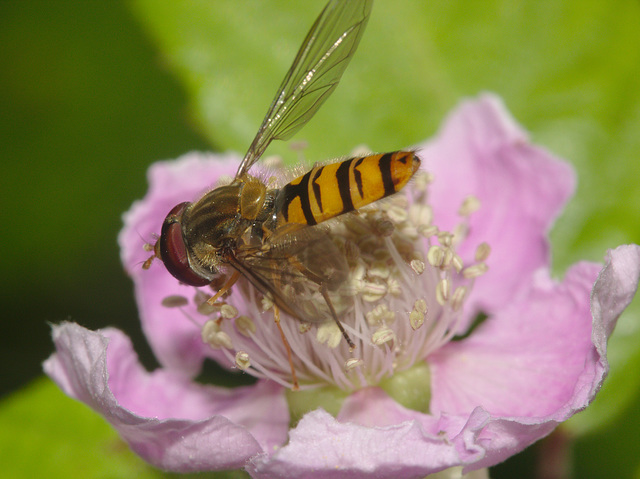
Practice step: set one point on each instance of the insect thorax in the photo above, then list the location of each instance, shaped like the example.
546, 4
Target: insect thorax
224, 218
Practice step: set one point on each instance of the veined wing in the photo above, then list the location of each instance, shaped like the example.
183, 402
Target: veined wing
314, 74
292, 270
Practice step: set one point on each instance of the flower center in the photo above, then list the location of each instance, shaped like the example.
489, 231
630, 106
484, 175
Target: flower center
409, 286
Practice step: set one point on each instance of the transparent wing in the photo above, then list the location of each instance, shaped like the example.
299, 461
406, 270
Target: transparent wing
314, 74
292, 270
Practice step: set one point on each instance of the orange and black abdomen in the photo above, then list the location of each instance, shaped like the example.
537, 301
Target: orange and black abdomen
331, 190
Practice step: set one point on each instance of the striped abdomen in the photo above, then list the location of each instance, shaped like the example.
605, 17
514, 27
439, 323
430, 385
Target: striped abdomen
331, 190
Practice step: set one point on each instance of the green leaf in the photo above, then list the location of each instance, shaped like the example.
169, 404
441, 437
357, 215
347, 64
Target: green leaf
47, 434
614, 451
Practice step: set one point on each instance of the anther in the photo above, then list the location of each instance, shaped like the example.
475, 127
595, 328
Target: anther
417, 266
416, 319
428, 231
304, 327
445, 238
174, 301
475, 270
420, 305
215, 338
383, 335
329, 334
384, 227
443, 291
470, 205
435, 256
228, 312
242, 360
352, 363
245, 325
458, 297
373, 291
379, 269
397, 214
207, 309
380, 315
482, 252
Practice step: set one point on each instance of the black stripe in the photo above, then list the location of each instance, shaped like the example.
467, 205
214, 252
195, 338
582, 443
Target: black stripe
344, 186
385, 171
358, 176
317, 193
290, 192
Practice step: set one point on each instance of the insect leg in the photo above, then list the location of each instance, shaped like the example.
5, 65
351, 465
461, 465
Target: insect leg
226, 287
325, 294
276, 318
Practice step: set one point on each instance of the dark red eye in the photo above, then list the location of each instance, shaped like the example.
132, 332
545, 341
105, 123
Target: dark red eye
173, 250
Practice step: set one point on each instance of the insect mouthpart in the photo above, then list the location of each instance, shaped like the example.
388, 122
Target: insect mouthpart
172, 249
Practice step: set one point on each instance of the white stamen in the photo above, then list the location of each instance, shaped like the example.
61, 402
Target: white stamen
470, 205
458, 297
393, 287
383, 335
378, 270
445, 238
428, 231
329, 334
384, 228
397, 214
228, 312
457, 263
245, 325
420, 305
420, 214
482, 252
448, 259
267, 303
174, 301
380, 314
242, 360
475, 270
416, 319
215, 338
435, 256
443, 291
417, 266
304, 327
207, 309
352, 363
373, 291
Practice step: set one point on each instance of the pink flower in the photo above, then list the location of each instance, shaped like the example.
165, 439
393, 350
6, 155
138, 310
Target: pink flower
410, 400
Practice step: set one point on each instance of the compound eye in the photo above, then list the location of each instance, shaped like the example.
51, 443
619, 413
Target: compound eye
173, 250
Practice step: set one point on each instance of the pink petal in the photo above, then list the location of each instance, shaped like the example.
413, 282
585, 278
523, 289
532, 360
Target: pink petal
615, 288
538, 361
482, 151
172, 423
174, 339
322, 447
525, 360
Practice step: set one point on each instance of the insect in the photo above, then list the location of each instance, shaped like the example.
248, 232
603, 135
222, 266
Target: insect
273, 237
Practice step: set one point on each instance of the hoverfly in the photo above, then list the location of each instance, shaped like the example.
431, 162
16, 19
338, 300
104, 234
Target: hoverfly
269, 236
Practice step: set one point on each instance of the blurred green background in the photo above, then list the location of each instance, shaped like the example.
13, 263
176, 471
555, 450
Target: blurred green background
92, 92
